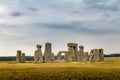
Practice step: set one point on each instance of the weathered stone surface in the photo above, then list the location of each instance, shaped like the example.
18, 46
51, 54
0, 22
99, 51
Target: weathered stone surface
66, 57
59, 55
72, 51
52, 57
96, 55
18, 56
86, 57
91, 56
101, 54
38, 58
81, 53
23, 58
48, 52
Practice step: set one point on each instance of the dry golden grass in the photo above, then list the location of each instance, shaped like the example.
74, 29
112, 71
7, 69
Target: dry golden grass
106, 70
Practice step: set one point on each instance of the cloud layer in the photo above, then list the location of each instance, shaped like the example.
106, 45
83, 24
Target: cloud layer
25, 23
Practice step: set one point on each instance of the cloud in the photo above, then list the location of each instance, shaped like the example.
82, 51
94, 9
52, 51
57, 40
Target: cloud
33, 9
95, 23
16, 14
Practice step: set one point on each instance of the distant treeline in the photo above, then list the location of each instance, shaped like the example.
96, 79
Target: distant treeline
112, 55
31, 58
13, 58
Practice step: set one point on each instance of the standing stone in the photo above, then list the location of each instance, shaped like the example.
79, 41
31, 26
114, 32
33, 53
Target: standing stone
66, 57
38, 58
48, 52
101, 54
23, 58
72, 51
72, 54
86, 57
59, 56
91, 56
81, 53
95, 55
52, 57
18, 56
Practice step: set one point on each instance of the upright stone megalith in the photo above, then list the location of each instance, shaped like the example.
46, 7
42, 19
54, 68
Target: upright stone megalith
23, 58
91, 55
86, 57
66, 57
81, 53
38, 58
52, 57
101, 54
18, 56
48, 52
96, 55
59, 56
72, 51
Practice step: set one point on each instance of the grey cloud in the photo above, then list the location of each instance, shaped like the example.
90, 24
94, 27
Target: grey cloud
16, 14
33, 9
42, 20
106, 15
79, 27
102, 5
58, 26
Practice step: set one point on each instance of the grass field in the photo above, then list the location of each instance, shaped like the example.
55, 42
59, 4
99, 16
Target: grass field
109, 69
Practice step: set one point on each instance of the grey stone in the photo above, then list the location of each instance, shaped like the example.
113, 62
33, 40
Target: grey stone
38, 58
101, 54
59, 55
52, 57
91, 56
86, 57
81, 53
66, 57
48, 52
23, 58
18, 56
72, 51
96, 55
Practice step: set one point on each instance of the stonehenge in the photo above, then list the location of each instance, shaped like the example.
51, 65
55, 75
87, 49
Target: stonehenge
59, 55
72, 51
48, 55
20, 57
23, 58
96, 55
75, 52
38, 54
81, 53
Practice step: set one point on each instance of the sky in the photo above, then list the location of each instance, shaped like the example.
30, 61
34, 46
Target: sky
91, 23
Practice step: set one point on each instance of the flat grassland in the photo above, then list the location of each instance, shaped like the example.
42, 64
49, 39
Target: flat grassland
109, 69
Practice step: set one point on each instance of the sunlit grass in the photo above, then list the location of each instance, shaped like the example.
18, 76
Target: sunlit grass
106, 70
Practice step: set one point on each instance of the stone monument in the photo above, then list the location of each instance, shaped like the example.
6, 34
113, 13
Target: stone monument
48, 52
96, 55
81, 53
23, 58
38, 58
101, 54
59, 55
72, 51
52, 57
86, 57
18, 56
